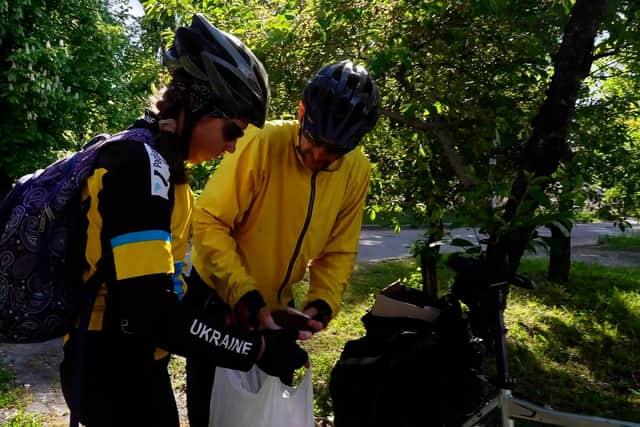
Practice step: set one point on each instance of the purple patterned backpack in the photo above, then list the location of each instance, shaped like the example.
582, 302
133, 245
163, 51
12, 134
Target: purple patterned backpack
41, 261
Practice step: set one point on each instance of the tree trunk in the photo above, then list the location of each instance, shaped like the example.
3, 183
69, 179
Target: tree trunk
559, 256
429, 260
428, 266
547, 146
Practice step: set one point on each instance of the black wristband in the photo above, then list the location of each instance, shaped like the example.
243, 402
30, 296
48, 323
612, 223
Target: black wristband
324, 311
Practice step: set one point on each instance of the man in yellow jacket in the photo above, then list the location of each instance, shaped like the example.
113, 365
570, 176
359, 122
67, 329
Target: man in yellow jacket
291, 197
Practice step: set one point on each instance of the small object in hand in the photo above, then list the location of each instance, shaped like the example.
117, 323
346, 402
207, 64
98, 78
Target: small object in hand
290, 318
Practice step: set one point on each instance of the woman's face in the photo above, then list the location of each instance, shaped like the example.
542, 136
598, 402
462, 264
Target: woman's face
212, 136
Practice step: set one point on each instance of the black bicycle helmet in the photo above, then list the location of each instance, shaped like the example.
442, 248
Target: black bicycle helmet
341, 104
238, 80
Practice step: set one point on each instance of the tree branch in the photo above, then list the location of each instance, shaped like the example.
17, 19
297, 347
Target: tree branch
438, 126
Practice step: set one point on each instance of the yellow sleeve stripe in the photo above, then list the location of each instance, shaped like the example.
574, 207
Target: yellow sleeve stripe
142, 253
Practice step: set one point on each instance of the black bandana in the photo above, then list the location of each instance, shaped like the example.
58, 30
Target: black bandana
201, 98
198, 101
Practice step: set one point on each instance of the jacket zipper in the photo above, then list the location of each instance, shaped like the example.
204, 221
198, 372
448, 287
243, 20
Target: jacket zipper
296, 251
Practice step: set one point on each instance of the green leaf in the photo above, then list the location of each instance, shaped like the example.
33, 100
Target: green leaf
539, 196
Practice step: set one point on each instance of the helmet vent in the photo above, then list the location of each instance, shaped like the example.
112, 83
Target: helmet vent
341, 104
237, 78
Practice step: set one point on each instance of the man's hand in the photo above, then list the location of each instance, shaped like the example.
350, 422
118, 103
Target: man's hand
267, 322
320, 314
252, 313
292, 319
315, 325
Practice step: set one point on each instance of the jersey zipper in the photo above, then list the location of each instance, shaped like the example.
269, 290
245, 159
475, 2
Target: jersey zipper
296, 251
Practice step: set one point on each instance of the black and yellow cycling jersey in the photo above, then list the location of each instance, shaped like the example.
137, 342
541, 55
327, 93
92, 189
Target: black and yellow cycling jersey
130, 205
140, 221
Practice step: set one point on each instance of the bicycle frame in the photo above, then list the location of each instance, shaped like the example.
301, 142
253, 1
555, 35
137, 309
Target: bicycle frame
511, 408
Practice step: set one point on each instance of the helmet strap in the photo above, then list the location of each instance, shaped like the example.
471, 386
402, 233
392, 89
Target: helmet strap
190, 119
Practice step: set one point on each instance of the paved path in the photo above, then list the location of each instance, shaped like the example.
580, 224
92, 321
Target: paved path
379, 244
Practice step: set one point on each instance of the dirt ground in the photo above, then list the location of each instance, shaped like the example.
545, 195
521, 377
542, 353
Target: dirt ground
35, 366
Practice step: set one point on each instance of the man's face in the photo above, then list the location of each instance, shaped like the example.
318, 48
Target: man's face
318, 155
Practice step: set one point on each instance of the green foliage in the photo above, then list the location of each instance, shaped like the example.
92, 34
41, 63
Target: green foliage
475, 69
12, 397
68, 70
7, 388
23, 420
479, 68
608, 148
199, 174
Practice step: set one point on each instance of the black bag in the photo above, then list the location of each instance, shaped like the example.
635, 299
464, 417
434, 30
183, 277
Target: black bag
408, 372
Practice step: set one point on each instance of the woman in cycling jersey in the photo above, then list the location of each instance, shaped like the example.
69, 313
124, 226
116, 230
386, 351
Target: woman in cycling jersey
138, 208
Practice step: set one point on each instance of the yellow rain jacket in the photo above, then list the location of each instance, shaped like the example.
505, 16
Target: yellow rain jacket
263, 217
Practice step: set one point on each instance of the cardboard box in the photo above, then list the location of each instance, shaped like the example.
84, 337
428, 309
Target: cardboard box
395, 301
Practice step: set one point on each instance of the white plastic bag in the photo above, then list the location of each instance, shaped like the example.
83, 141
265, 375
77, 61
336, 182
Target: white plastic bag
255, 399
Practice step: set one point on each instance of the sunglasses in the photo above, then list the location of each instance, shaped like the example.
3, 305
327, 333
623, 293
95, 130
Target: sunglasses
331, 148
230, 130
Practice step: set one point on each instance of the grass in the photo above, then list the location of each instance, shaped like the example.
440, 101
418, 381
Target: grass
13, 397
23, 420
573, 347
8, 392
629, 241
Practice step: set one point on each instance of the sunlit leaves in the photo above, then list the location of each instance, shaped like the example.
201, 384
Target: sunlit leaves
67, 67
480, 66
